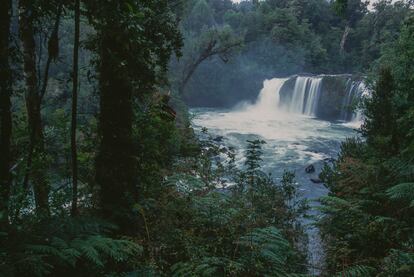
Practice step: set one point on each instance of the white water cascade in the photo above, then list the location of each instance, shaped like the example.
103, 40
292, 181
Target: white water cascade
269, 98
355, 118
298, 97
314, 94
305, 97
354, 92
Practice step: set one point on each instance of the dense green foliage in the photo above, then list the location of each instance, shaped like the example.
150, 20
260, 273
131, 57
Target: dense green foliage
187, 225
368, 218
147, 196
155, 199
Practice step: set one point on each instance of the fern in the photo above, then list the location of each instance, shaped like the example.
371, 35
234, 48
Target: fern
401, 168
356, 271
404, 191
208, 266
399, 263
335, 201
94, 249
331, 205
299, 275
265, 250
268, 243
32, 263
146, 271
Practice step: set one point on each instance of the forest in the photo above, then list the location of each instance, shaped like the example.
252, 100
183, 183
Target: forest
207, 138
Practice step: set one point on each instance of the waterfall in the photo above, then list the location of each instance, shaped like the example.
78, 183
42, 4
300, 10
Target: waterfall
329, 97
312, 101
355, 90
269, 97
358, 116
306, 94
299, 93
351, 93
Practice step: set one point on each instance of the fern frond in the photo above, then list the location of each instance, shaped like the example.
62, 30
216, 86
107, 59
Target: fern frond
95, 249
399, 263
208, 266
356, 271
35, 264
267, 245
332, 200
331, 204
404, 191
90, 253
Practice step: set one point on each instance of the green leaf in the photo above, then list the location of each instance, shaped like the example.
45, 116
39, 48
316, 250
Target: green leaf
404, 191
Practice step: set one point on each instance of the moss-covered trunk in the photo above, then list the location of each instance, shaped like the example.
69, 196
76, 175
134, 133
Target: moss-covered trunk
115, 169
5, 107
36, 156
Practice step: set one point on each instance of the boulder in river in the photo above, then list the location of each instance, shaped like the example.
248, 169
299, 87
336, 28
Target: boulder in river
329, 160
218, 139
310, 169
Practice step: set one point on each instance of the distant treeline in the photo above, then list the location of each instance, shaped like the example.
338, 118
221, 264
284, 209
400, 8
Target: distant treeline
277, 39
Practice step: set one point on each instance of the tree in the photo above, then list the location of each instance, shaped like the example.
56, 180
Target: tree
35, 92
368, 216
201, 16
352, 11
213, 42
115, 168
253, 158
75, 85
379, 124
134, 42
5, 107
33, 104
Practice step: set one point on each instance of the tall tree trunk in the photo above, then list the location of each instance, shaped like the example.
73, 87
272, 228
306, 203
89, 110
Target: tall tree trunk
5, 108
35, 162
75, 85
213, 48
344, 38
190, 72
115, 167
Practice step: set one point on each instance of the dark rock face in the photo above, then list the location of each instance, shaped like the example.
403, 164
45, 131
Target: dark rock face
218, 139
286, 91
310, 169
329, 160
333, 92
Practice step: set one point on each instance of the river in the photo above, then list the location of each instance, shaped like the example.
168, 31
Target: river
293, 141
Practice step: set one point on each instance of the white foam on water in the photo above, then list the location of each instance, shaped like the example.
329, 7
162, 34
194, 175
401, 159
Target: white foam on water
265, 118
